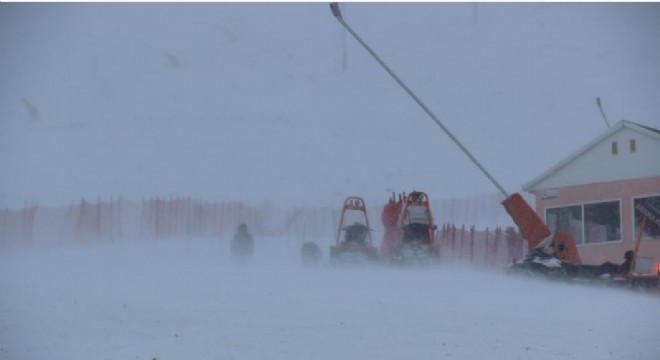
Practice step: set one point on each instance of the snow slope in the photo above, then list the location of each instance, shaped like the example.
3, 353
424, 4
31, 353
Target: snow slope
185, 299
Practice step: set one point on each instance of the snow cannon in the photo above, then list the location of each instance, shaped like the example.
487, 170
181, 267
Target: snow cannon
391, 211
532, 228
390, 219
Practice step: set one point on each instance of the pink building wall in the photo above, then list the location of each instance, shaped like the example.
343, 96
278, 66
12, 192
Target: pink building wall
624, 191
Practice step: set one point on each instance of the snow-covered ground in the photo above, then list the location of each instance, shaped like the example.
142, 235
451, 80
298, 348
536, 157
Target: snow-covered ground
186, 299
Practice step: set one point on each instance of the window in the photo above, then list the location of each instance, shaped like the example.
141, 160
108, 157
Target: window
633, 145
602, 222
615, 148
566, 219
588, 223
651, 204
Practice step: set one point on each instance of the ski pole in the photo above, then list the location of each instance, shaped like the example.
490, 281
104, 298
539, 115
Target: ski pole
337, 14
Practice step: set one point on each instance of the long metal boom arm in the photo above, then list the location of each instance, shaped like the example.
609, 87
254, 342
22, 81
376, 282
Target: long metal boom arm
336, 12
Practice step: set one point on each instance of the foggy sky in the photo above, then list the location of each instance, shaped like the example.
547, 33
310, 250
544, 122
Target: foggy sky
254, 102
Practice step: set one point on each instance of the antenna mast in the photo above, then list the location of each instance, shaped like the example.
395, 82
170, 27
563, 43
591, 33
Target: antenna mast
600, 107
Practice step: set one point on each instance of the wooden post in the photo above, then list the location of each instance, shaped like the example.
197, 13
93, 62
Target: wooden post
460, 251
120, 217
453, 240
443, 236
471, 243
633, 263
97, 224
158, 215
81, 220
112, 229
498, 235
4, 222
486, 248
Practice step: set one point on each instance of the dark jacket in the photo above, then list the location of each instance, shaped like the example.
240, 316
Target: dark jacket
242, 244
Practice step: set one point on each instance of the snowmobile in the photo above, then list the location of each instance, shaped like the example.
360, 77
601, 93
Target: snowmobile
310, 253
354, 243
558, 257
544, 261
409, 230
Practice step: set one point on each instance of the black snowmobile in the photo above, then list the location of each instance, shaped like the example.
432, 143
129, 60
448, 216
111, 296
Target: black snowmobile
542, 262
310, 253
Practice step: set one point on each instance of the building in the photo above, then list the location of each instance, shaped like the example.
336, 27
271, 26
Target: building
593, 194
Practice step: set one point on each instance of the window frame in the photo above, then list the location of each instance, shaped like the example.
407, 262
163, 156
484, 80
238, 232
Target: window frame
620, 239
545, 220
632, 216
584, 231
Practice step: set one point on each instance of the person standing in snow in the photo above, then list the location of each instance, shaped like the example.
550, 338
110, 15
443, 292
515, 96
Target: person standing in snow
242, 244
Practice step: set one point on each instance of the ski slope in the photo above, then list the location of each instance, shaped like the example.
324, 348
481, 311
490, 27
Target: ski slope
186, 299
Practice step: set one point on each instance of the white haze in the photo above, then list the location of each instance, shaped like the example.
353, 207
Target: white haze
251, 102
185, 299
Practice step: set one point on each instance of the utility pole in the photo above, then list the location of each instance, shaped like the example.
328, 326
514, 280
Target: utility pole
344, 57
336, 12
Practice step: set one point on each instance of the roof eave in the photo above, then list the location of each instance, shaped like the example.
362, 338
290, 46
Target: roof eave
529, 186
